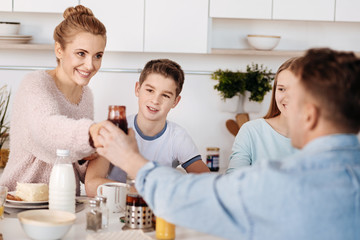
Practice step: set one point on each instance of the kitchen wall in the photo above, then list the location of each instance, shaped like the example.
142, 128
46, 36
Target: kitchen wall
198, 111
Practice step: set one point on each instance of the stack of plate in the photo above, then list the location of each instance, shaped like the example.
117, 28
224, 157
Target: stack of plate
25, 204
9, 33
11, 39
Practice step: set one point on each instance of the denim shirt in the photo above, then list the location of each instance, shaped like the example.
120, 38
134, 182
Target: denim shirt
313, 194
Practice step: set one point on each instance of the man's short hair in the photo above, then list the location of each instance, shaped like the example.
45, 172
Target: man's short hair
332, 78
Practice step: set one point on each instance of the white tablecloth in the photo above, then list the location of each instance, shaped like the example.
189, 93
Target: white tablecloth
11, 229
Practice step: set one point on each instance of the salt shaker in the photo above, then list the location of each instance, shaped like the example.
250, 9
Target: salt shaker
104, 211
94, 216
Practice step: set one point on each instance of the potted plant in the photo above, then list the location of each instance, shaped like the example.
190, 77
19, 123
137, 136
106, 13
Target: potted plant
4, 125
256, 81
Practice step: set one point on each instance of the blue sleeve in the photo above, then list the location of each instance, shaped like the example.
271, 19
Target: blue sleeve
191, 161
196, 201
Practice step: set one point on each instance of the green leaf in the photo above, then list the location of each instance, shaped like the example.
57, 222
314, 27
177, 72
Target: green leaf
257, 80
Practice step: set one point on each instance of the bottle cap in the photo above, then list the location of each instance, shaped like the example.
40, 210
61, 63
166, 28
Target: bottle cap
62, 152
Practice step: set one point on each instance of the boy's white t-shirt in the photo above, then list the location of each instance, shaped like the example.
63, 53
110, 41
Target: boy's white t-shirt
170, 147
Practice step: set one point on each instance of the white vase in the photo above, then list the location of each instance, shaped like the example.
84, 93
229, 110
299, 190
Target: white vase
251, 106
233, 105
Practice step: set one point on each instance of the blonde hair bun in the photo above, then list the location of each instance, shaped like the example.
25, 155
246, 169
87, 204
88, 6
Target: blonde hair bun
77, 10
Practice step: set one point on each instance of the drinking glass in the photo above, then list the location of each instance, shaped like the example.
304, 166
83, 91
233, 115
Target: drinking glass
3, 194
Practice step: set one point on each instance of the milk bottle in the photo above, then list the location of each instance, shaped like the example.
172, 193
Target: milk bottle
62, 187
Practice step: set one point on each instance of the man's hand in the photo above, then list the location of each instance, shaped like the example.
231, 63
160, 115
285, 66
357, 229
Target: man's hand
119, 148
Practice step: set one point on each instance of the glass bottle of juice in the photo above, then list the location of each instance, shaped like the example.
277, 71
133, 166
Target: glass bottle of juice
117, 115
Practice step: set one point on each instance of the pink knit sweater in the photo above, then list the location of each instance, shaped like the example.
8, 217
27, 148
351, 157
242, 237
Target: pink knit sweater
43, 120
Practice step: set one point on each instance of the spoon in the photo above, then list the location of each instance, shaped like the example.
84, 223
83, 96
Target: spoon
232, 126
241, 118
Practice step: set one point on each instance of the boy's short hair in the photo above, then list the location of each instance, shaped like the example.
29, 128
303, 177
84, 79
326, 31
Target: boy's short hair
333, 79
167, 68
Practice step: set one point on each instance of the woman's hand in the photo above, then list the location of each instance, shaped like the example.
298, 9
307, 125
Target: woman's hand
93, 156
94, 133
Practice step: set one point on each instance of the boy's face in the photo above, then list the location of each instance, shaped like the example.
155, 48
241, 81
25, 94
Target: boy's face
157, 95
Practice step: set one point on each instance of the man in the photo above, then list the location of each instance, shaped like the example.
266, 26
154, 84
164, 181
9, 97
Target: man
314, 194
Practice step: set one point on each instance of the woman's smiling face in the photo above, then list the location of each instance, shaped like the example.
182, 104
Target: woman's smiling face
284, 80
81, 58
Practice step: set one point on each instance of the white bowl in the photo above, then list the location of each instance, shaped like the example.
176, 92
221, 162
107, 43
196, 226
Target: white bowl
9, 28
263, 42
46, 224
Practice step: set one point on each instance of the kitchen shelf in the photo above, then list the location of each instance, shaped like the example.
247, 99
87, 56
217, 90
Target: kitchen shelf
286, 53
280, 53
28, 46
214, 51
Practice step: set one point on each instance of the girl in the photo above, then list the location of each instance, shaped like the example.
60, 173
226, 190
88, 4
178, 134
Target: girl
265, 137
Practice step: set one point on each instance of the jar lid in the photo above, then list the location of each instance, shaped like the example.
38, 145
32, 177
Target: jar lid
101, 198
94, 202
62, 152
212, 149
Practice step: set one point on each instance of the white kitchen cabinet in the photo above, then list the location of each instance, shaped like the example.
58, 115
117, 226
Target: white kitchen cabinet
5, 6
124, 22
312, 10
176, 26
347, 10
250, 9
45, 6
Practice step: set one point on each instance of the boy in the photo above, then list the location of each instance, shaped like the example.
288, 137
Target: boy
159, 140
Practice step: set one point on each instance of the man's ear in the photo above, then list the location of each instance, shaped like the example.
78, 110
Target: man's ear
312, 115
177, 100
58, 50
137, 89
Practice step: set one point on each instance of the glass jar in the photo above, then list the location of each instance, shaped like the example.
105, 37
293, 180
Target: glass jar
94, 216
137, 213
117, 115
212, 158
164, 229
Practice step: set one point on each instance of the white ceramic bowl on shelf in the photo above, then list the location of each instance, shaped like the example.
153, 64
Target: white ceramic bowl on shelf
46, 224
9, 28
263, 42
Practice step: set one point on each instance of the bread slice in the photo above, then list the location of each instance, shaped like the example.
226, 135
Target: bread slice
32, 192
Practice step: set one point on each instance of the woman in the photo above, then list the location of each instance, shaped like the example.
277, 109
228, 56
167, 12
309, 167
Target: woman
54, 109
266, 137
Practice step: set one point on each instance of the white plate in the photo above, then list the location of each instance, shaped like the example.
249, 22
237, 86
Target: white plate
12, 40
15, 36
14, 202
25, 206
